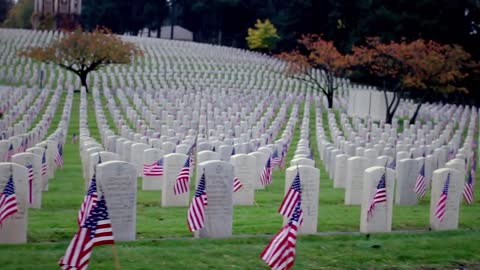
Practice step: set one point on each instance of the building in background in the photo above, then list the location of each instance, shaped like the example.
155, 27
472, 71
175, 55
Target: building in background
56, 14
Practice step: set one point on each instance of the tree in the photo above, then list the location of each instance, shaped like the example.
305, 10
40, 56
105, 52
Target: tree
317, 54
385, 63
5, 6
437, 69
20, 15
154, 12
419, 69
445, 21
83, 52
263, 37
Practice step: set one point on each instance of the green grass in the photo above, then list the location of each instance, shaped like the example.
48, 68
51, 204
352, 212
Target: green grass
444, 250
328, 134
338, 120
92, 119
165, 243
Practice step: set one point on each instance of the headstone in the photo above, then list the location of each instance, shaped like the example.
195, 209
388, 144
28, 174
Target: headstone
244, 170
310, 184
136, 156
117, 180
340, 176
172, 165
454, 194
44, 178
302, 161
407, 171
36, 185
219, 188
94, 160
152, 182
380, 219
203, 156
14, 228
259, 166
354, 185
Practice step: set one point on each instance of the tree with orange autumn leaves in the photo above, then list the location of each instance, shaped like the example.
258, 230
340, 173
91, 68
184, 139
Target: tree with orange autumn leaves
318, 64
417, 69
84, 52
414, 69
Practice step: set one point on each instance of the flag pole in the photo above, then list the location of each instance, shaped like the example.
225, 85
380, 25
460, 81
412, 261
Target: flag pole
115, 257
386, 194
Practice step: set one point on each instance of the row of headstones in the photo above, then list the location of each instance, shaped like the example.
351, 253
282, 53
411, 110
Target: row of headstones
303, 153
343, 168
117, 180
224, 111
30, 183
21, 142
23, 125
362, 148
91, 151
346, 170
380, 220
183, 79
153, 142
20, 101
239, 129
225, 150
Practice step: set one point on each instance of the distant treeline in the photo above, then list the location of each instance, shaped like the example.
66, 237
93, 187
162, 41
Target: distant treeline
226, 21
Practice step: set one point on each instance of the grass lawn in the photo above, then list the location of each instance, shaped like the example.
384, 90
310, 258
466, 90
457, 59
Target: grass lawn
164, 241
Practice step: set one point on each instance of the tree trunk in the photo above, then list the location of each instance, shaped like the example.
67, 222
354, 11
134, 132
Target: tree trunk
389, 118
330, 91
330, 100
391, 107
414, 116
172, 20
83, 80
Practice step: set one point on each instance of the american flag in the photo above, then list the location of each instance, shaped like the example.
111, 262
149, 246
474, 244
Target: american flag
442, 201
44, 162
59, 156
291, 199
183, 179
22, 147
30, 182
154, 169
89, 201
266, 175
96, 231
393, 164
284, 153
451, 154
380, 195
468, 189
191, 155
10, 153
276, 160
8, 200
196, 211
421, 185
236, 184
280, 252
